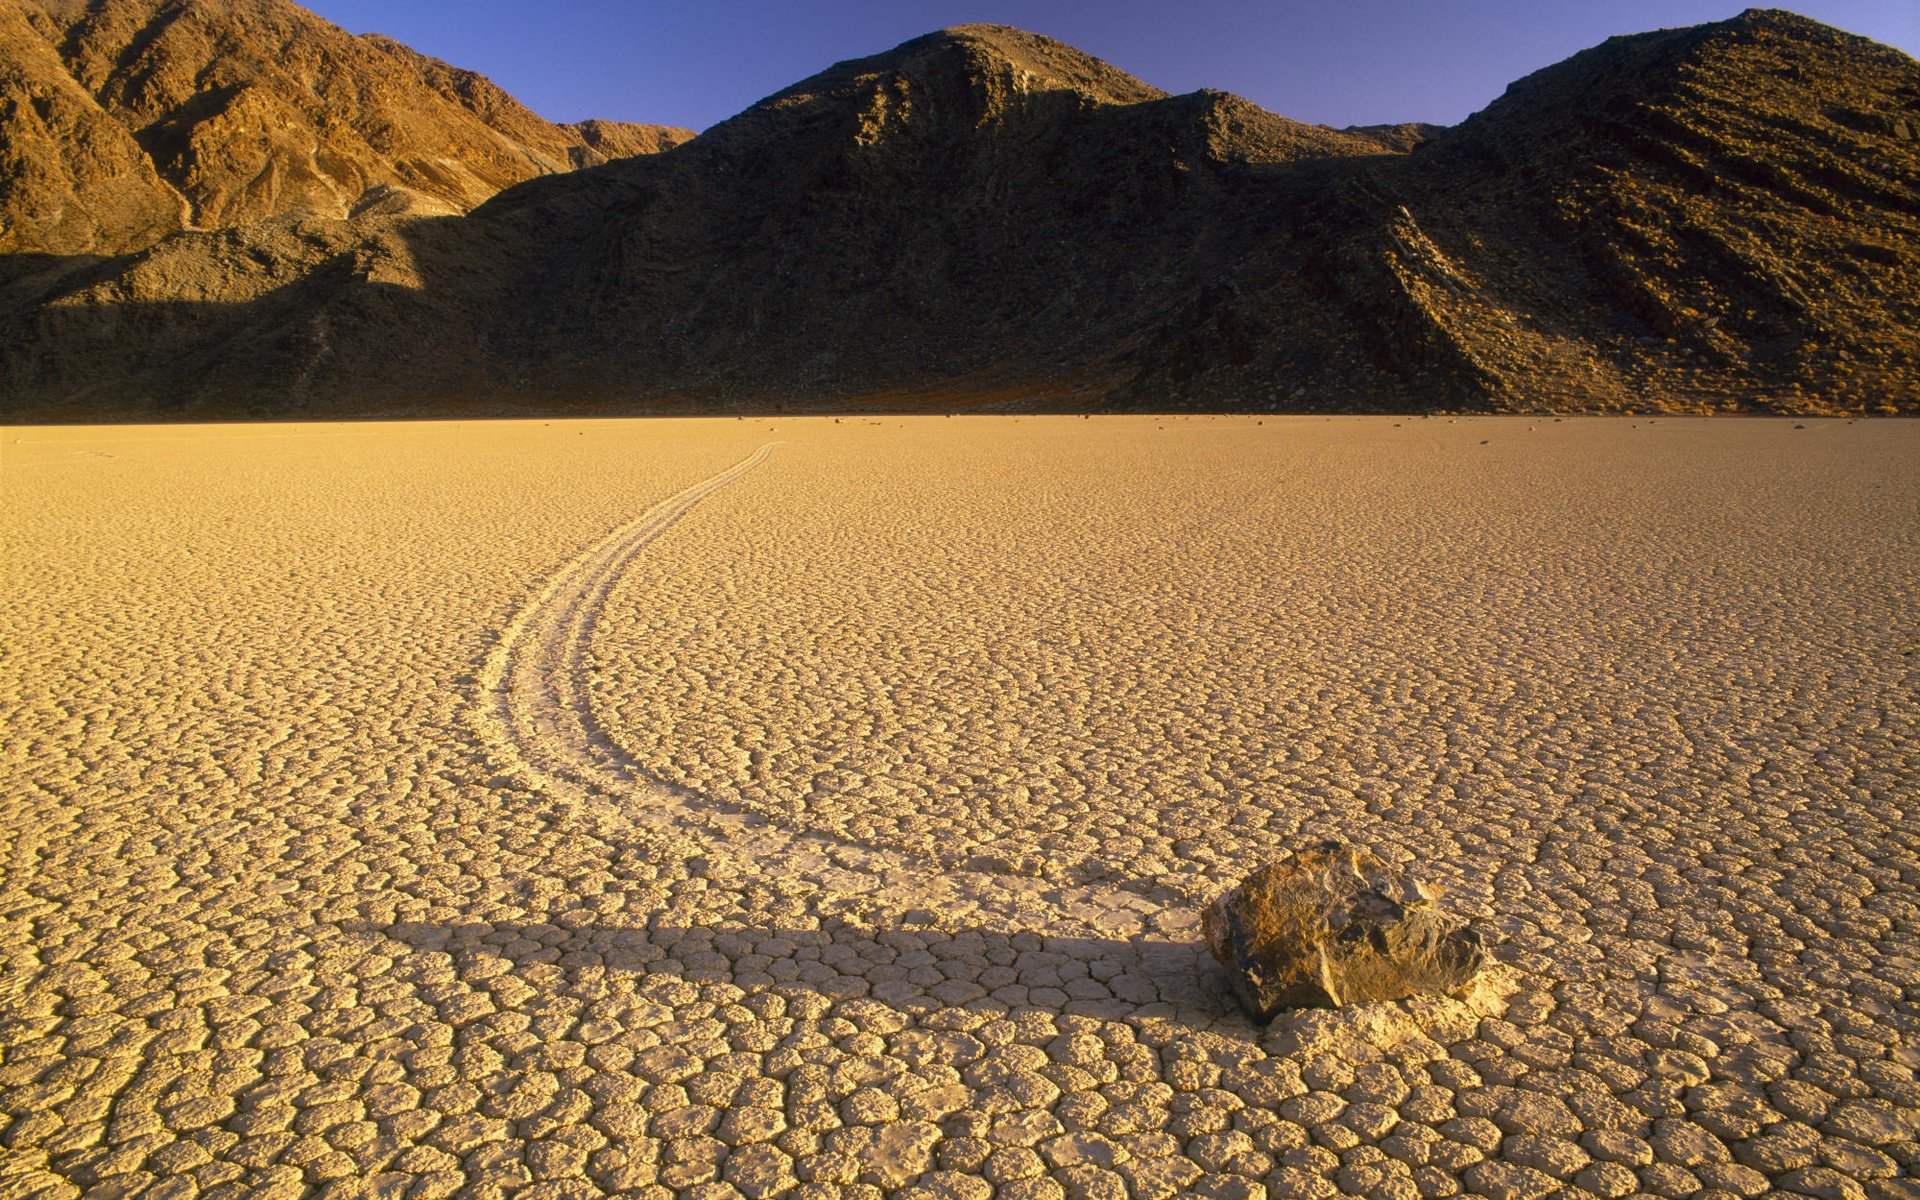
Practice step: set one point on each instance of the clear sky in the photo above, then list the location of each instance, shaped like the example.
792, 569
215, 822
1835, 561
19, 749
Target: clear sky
1337, 62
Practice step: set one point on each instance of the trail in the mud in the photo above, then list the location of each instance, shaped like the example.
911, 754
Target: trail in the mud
537, 720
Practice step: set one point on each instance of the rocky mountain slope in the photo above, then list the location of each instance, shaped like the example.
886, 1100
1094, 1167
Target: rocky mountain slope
1718, 218
122, 121
1726, 216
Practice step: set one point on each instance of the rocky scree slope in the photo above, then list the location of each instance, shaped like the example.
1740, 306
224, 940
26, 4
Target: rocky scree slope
1718, 218
122, 121
1721, 217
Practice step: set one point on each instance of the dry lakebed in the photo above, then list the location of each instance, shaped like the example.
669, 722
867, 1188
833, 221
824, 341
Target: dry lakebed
814, 807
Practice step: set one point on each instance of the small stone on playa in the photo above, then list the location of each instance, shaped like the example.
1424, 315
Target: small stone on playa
1336, 925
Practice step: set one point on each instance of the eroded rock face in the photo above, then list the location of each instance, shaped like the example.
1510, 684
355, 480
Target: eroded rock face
122, 121
1336, 925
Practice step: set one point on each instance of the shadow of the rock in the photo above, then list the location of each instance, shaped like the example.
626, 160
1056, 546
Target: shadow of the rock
914, 970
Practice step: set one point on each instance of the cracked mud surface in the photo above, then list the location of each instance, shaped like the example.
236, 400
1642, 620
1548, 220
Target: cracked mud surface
722, 808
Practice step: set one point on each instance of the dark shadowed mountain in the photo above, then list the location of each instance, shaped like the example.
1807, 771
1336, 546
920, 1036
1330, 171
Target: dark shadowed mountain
1718, 218
122, 121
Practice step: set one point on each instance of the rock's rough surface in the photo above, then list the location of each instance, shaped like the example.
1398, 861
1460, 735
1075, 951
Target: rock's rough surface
1336, 925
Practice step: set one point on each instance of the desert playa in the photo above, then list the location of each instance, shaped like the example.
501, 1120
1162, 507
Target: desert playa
821, 807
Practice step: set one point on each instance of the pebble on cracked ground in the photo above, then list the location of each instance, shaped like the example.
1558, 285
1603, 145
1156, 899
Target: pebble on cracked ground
788, 807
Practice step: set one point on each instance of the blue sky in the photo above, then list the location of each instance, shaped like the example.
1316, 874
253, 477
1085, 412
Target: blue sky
1338, 62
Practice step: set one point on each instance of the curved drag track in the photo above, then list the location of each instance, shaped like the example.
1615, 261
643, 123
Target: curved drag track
535, 714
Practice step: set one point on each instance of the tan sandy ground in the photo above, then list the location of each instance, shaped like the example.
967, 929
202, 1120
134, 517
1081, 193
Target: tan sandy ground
420, 809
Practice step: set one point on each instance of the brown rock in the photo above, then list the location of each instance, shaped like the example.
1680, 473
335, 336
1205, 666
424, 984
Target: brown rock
1336, 925
122, 120
604, 140
72, 179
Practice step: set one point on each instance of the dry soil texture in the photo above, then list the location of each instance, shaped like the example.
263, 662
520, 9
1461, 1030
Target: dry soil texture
724, 808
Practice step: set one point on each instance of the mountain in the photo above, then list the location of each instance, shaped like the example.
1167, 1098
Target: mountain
1721, 218
1729, 213
122, 121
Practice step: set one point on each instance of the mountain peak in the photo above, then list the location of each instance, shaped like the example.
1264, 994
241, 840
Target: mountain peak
1045, 64
1779, 20
1028, 62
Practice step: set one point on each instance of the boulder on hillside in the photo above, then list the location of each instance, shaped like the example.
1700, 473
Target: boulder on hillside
1336, 925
